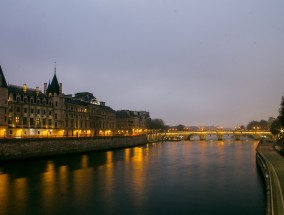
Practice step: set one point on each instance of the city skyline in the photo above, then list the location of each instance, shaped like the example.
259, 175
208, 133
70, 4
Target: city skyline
192, 63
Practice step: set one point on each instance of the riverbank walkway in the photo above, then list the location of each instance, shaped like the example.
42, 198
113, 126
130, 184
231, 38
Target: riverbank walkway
275, 164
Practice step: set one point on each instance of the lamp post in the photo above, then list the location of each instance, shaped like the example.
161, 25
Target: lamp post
281, 137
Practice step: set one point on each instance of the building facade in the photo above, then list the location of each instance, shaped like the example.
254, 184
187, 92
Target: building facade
29, 112
132, 122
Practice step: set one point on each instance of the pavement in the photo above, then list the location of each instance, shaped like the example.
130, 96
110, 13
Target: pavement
275, 163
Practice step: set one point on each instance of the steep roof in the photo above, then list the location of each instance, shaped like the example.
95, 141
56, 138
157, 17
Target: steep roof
54, 86
29, 92
3, 82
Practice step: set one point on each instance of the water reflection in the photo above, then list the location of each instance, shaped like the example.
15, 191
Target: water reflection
48, 186
4, 193
139, 169
160, 178
20, 189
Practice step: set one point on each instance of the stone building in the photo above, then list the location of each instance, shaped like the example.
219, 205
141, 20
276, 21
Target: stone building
28, 112
131, 122
3, 104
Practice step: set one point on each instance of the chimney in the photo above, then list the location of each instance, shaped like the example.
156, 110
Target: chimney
37, 90
45, 88
25, 88
60, 89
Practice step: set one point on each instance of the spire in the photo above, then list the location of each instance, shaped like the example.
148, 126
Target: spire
3, 82
53, 87
55, 67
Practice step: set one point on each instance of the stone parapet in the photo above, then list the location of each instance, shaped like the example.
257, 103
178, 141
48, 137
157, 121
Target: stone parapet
27, 148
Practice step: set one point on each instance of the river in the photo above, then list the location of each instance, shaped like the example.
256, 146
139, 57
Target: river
187, 177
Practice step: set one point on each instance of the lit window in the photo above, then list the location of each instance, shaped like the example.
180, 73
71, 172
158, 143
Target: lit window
37, 121
17, 120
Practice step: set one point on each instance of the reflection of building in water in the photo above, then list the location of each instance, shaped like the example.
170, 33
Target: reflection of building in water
4, 193
139, 174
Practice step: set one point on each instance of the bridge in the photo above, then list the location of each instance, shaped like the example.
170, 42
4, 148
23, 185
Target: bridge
220, 134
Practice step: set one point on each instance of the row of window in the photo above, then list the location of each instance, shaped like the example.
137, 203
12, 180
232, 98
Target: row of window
31, 110
30, 121
38, 122
31, 100
80, 109
85, 110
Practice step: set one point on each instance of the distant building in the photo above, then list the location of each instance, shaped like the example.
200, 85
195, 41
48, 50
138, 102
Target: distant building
28, 112
131, 122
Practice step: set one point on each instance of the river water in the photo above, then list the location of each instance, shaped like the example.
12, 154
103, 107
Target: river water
187, 177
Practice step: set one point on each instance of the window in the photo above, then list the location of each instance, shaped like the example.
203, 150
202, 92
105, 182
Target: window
10, 120
55, 116
32, 111
56, 103
43, 112
25, 121
55, 124
38, 132
49, 122
44, 122
38, 111
49, 113
17, 120
31, 121
25, 110
37, 121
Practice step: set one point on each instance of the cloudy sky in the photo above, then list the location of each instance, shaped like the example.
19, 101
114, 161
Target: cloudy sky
194, 62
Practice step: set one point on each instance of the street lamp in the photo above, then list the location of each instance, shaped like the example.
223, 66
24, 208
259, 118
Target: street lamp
281, 132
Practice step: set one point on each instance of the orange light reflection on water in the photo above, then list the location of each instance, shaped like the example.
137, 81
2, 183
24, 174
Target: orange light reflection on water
127, 155
109, 172
63, 179
48, 186
21, 194
84, 161
138, 175
4, 193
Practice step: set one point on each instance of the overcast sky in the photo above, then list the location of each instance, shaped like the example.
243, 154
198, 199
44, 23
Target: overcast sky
191, 62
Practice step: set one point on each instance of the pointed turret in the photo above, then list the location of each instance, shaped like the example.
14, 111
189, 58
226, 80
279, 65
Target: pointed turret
53, 87
3, 82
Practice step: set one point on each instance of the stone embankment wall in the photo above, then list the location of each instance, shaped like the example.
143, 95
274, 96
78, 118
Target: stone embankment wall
27, 148
261, 162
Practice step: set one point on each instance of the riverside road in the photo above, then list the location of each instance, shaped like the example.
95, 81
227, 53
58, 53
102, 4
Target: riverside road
275, 164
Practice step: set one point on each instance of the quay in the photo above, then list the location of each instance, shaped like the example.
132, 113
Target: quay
271, 162
22, 148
